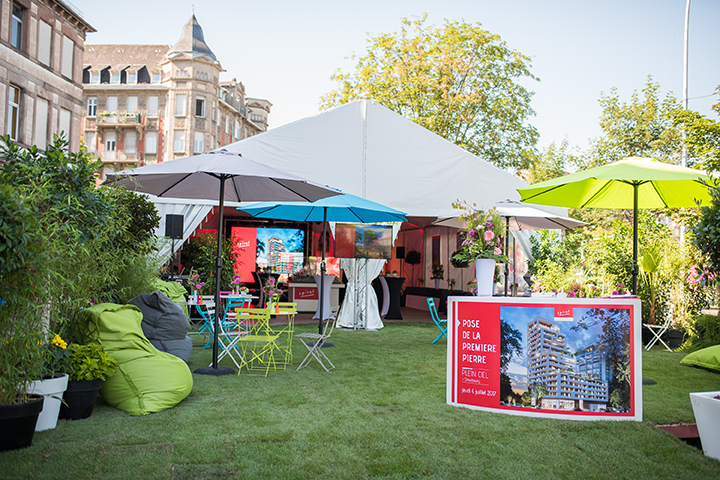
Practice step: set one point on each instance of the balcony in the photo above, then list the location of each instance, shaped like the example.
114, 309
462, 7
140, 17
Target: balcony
118, 119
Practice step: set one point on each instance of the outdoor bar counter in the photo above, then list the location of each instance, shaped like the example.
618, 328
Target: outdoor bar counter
306, 295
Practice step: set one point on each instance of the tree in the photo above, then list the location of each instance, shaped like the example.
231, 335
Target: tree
643, 127
552, 163
458, 81
703, 137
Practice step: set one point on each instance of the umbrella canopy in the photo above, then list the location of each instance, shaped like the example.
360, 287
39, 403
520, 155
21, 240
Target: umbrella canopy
224, 176
522, 217
340, 208
632, 183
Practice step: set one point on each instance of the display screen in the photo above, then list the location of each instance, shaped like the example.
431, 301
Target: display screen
278, 249
363, 241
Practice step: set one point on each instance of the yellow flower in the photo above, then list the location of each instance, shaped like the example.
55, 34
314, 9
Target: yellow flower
59, 342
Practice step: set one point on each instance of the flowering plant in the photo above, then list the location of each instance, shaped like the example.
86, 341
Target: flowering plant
272, 290
437, 271
56, 357
483, 234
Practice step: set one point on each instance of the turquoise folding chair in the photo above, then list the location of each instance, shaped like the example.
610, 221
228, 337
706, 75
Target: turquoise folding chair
440, 322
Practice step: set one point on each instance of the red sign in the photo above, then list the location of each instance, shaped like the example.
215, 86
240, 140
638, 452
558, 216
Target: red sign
305, 293
563, 314
478, 372
244, 240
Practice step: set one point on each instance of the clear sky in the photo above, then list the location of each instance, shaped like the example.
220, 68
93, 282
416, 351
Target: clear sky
285, 51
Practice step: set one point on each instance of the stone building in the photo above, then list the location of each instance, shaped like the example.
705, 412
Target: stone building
41, 57
153, 103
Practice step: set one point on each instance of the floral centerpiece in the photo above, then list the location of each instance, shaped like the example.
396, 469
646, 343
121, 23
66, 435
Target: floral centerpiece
196, 286
272, 291
482, 244
238, 287
438, 272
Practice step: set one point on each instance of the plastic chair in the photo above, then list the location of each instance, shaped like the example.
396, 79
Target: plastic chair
315, 347
659, 330
440, 322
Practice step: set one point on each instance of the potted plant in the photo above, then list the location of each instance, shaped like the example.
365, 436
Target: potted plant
482, 244
52, 381
706, 407
413, 257
272, 292
90, 365
438, 273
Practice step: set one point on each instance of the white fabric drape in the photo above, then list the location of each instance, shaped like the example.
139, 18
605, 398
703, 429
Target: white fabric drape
193, 215
348, 312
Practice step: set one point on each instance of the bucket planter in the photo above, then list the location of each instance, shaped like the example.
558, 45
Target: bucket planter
17, 423
79, 399
485, 275
675, 338
706, 408
52, 389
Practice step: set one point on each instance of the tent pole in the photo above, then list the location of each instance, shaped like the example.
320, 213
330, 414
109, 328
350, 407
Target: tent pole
322, 273
635, 239
507, 251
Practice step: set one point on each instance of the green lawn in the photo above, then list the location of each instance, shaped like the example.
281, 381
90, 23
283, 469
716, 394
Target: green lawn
380, 414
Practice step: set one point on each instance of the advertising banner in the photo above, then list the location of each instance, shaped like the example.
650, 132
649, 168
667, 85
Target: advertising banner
568, 358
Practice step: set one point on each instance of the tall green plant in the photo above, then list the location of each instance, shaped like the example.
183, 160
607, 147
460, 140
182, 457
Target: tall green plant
200, 254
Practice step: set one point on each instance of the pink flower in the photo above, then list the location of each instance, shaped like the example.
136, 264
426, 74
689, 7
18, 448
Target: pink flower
497, 251
615, 292
472, 233
571, 294
489, 235
271, 281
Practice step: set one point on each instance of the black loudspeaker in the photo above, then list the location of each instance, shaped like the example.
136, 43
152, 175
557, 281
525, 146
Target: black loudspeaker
400, 252
174, 226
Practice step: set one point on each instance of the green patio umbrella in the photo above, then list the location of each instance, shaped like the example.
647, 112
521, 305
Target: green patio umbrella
632, 183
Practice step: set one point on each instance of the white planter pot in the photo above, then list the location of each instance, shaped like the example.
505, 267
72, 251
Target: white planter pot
707, 416
484, 274
52, 389
437, 283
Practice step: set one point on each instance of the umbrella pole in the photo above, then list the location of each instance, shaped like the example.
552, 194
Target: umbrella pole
322, 273
507, 258
214, 369
635, 239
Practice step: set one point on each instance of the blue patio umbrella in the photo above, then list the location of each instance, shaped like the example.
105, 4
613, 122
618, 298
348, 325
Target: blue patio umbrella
344, 208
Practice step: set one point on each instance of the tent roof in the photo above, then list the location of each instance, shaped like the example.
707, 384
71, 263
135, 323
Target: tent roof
370, 151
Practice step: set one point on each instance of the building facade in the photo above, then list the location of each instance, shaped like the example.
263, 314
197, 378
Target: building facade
568, 386
41, 55
153, 103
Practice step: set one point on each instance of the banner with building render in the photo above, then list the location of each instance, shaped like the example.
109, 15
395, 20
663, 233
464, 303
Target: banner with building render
569, 358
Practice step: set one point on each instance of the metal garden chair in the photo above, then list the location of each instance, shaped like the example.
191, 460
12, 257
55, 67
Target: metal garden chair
440, 322
314, 342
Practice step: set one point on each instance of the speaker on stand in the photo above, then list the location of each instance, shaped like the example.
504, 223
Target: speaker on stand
174, 230
400, 254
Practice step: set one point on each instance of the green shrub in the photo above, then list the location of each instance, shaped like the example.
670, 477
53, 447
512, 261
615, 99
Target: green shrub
704, 332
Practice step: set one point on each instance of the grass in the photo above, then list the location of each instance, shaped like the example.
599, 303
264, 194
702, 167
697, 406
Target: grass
380, 414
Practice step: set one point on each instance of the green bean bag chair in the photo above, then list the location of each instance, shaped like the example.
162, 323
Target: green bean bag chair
146, 380
174, 291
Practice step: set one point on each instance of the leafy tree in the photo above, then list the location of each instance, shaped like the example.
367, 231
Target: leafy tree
510, 339
200, 254
706, 233
703, 137
459, 81
553, 162
644, 127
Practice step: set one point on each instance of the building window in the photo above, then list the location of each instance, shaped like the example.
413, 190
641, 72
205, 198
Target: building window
95, 77
132, 104
44, 43
237, 130
68, 54
110, 138
130, 142
213, 111
199, 142
92, 106
16, 33
41, 122
115, 78
155, 78
65, 124
91, 141
179, 145
132, 77
180, 104
152, 106
151, 142
112, 104
13, 119
200, 107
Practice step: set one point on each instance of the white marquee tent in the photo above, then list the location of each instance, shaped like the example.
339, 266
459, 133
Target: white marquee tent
370, 151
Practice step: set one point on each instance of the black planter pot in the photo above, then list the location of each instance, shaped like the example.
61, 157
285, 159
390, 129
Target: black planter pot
647, 335
675, 338
17, 423
79, 399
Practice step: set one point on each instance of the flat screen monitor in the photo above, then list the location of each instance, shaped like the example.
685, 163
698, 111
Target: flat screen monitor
278, 249
363, 241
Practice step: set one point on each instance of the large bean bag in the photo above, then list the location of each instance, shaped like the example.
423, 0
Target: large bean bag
164, 324
146, 380
174, 291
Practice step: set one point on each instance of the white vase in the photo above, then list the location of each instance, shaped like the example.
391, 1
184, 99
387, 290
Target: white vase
485, 274
437, 283
707, 416
52, 389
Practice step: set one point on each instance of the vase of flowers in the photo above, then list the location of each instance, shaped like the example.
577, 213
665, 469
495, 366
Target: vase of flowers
273, 292
90, 365
195, 286
438, 273
235, 284
482, 244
